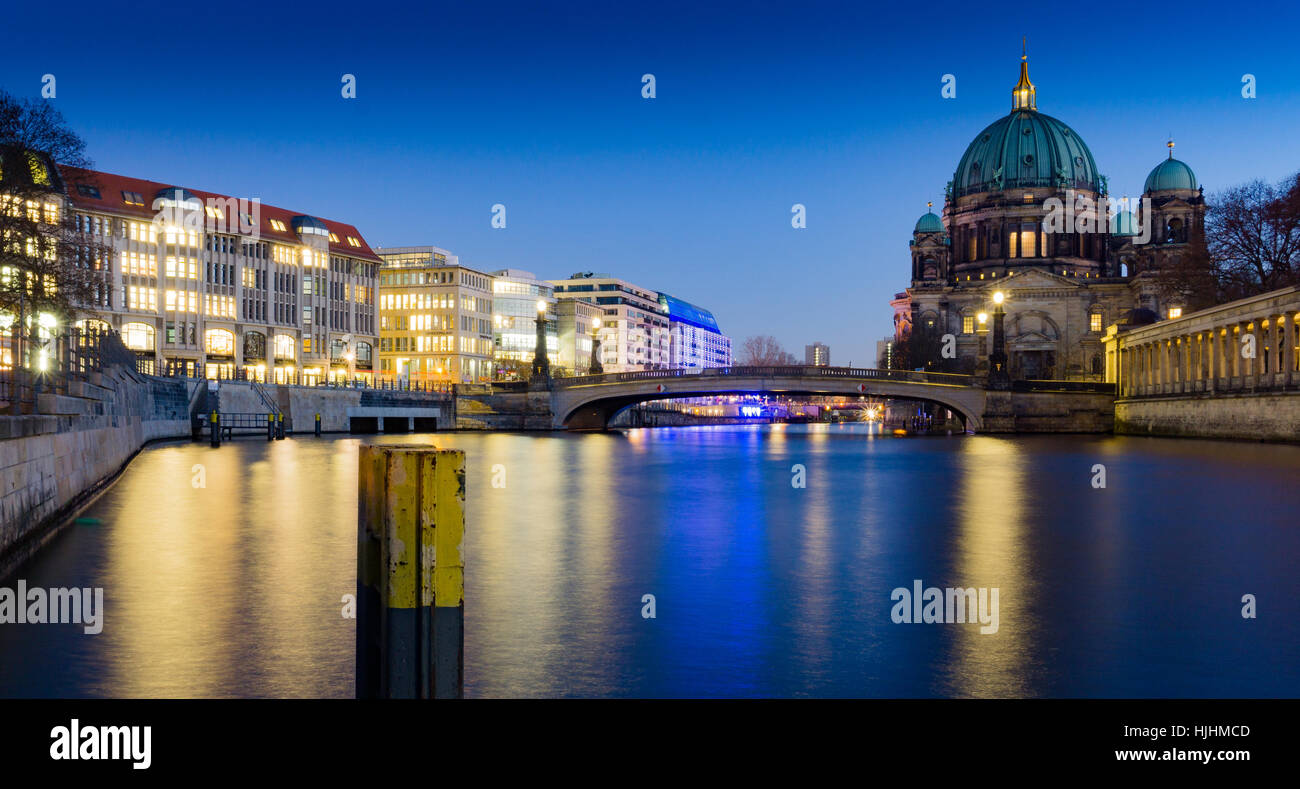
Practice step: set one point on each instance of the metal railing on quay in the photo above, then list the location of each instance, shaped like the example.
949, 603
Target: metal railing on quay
32, 366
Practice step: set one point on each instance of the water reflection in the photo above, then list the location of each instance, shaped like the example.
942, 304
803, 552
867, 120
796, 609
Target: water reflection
762, 588
990, 551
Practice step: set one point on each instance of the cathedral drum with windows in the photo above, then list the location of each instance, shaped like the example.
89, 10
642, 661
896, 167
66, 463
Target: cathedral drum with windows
1028, 214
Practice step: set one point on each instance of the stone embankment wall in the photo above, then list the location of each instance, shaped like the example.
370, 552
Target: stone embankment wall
483, 407
301, 404
1048, 412
1260, 417
54, 459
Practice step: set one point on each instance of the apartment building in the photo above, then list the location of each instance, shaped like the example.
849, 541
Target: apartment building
208, 285
435, 318
817, 355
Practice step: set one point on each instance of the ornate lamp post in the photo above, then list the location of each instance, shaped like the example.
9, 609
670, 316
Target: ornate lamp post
998, 377
596, 368
541, 363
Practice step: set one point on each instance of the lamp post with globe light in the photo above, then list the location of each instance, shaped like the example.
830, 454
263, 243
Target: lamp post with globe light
541, 364
596, 368
998, 377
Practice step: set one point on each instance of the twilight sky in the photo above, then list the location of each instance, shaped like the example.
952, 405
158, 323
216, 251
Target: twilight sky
759, 106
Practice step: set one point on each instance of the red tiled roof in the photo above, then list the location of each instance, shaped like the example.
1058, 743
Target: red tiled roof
111, 201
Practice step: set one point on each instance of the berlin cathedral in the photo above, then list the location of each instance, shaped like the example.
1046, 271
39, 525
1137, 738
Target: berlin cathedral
1063, 282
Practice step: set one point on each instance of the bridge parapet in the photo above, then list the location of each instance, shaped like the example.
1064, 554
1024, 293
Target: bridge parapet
810, 371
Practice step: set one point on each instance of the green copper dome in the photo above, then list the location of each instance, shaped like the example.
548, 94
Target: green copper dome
1171, 174
929, 223
1022, 150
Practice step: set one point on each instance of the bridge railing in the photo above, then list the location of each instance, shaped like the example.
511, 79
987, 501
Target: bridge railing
808, 371
1095, 387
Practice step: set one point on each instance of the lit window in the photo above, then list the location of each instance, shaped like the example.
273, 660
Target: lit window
219, 341
132, 198
1029, 197
284, 346
138, 336
1094, 322
353, 241
1175, 312
1028, 241
277, 225
334, 238
968, 324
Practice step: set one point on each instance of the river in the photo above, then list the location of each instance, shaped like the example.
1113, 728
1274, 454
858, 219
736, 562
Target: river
761, 588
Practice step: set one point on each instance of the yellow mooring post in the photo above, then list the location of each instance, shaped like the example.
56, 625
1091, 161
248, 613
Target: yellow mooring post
410, 572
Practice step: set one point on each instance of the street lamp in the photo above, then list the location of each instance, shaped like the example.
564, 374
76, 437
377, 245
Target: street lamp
541, 364
596, 368
998, 377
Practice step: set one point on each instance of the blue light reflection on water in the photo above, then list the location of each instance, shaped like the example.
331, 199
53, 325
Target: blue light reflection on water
761, 589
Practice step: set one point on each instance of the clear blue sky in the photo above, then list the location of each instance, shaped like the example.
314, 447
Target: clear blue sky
759, 106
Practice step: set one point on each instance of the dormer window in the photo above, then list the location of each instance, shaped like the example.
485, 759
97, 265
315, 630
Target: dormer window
86, 190
276, 224
353, 242
133, 198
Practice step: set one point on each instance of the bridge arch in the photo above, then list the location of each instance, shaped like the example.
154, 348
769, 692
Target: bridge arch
590, 402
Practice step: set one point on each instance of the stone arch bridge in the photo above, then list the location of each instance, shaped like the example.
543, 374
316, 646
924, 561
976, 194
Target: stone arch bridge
590, 402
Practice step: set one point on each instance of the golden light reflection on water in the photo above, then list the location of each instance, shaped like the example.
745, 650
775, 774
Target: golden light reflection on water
234, 588
991, 551
198, 570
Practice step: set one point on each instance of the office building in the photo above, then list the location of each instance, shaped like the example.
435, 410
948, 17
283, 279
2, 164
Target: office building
694, 339
577, 323
435, 318
207, 285
515, 298
635, 334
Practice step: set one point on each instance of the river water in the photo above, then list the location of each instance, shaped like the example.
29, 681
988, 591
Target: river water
761, 588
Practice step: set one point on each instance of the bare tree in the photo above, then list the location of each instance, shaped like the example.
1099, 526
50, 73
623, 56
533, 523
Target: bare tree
47, 265
765, 351
1253, 237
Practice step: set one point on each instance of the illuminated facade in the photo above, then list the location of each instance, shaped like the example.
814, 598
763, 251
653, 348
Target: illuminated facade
636, 331
694, 339
818, 355
515, 296
435, 318
577, 322
208, 285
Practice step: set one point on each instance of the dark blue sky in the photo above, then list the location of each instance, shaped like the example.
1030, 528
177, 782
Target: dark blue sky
760, 105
